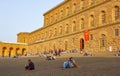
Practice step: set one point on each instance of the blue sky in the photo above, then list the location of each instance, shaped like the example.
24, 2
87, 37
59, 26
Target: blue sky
22, 16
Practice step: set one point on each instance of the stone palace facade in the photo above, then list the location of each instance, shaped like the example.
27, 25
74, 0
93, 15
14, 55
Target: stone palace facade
89, 25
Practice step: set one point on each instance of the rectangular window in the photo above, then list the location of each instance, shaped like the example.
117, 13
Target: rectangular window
74, 7
55, 33
82, 23
46, 34
102, 42
82, 4
56, 17
91, 36
116, 32
117, 11
92, 2
60, 29
67, 11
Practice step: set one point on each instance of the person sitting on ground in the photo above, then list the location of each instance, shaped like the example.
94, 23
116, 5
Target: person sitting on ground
70, 63
30, 65
87, 54
51, 58
118, 53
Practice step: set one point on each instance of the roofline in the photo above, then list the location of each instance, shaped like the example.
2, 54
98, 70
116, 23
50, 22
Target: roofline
23, 33
36, 30
55, 7
12, 42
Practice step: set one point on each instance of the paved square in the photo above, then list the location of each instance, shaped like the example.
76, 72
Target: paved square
88, 66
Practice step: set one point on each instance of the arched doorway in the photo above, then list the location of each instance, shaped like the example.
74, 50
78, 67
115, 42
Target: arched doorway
11, 52
4, 52
81, 44
17, 51
23, 51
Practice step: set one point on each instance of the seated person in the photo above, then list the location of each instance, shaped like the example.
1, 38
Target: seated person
118, 53
70, 63
51, 57
87, 54
30, 65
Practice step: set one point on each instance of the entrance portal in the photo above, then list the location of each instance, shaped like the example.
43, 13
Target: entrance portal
81, 44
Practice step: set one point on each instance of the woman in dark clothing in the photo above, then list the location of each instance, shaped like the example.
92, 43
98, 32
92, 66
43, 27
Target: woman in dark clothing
30, 65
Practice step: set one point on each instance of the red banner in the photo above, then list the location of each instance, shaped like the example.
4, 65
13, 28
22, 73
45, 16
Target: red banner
86, 35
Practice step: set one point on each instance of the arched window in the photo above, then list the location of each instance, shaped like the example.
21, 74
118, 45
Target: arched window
82, 23
46, 34
51, 19
74, 26
92, 2
74, 7
67, 11
116, 32
67, 30
82, 4
42, 35
56, 16
60, 29
103, 16
117, 12
103, 37
91, 20
61, 13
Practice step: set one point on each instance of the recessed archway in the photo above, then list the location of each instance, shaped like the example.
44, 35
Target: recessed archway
11, 52
23, 51
18, 51
4, 52
81, 44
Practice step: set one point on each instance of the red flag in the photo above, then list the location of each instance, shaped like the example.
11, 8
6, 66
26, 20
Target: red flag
86, 35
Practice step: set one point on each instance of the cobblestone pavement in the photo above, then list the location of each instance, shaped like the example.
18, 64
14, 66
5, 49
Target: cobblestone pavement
88, 66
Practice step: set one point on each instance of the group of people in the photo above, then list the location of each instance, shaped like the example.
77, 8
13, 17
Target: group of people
70, 63
54, 52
